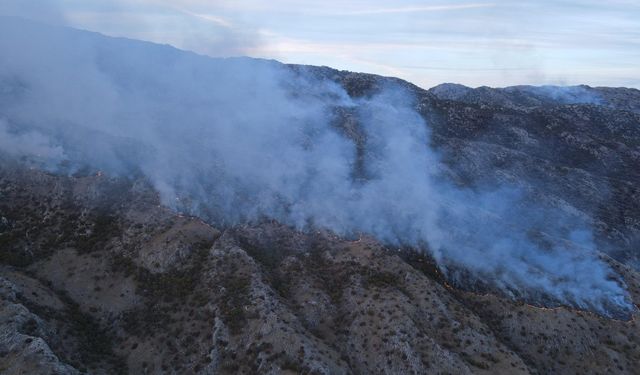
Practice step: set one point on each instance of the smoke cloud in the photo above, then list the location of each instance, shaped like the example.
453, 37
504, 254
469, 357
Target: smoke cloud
32, 144
237, 140
565, 94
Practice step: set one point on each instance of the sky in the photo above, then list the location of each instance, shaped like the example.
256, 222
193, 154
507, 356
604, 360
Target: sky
475, 43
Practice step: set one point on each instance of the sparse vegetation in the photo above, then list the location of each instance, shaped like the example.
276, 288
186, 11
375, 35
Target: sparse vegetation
235, 297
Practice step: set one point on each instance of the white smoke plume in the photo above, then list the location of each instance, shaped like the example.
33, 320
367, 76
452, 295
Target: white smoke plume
241, 139
32, 144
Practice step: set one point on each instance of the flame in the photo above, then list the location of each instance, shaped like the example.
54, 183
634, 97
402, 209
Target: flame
360, 238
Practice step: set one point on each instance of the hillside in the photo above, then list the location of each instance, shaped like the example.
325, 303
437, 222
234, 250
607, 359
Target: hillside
164, 212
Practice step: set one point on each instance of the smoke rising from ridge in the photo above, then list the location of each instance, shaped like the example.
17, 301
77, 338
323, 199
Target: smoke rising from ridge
237, 140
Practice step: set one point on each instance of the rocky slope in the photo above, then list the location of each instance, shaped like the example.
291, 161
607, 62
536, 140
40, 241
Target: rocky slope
98, 277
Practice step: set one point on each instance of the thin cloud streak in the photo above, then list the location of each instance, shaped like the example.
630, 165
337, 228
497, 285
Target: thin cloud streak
207, 17
464, 69
420, 9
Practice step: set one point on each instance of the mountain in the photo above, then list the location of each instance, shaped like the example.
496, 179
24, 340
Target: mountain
523, 97
164, 212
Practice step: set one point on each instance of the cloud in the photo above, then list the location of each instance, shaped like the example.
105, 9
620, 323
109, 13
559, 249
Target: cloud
208, 17
419, 9
597, 40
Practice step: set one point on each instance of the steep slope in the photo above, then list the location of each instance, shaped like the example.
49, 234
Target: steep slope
140, 288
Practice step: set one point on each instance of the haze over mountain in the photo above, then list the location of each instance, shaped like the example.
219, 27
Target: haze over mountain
497, 43
168, 212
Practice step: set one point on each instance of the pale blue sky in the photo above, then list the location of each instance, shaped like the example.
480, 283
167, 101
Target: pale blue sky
495, 43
